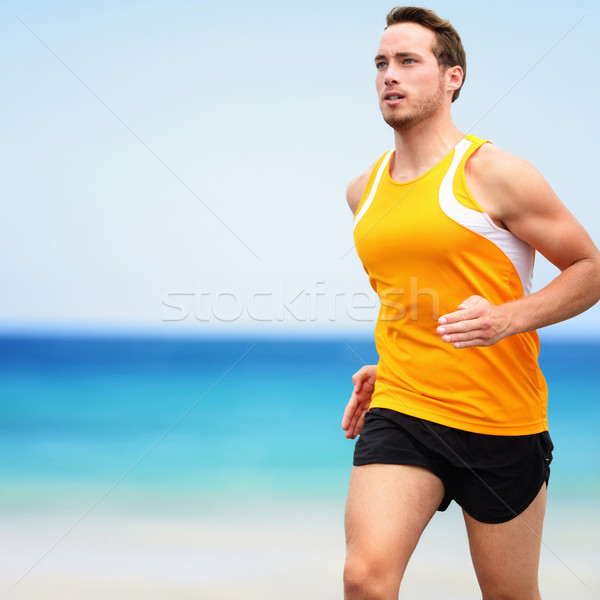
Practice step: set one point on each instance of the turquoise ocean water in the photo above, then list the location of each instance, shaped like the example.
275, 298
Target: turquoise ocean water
166, 423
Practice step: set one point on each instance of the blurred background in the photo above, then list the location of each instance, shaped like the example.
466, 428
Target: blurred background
182, 306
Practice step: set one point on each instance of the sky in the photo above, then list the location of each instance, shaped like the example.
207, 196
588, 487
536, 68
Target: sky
180, 167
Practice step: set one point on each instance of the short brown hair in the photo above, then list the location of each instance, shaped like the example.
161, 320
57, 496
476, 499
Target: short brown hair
448, 48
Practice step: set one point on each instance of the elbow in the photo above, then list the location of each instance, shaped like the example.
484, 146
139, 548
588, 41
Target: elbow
591, 277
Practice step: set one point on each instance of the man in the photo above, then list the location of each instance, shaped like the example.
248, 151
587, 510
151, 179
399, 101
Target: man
456, 407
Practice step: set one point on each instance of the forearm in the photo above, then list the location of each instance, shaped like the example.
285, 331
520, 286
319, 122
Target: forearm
576, 289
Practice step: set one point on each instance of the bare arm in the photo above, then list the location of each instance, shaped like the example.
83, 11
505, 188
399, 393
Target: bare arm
363, 379
517, 197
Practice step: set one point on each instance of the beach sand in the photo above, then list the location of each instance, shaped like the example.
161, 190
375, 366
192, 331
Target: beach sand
279, 550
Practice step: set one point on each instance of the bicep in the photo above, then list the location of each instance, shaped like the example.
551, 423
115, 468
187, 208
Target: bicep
535, 214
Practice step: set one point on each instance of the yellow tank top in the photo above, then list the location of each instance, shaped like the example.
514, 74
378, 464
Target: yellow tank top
426, 246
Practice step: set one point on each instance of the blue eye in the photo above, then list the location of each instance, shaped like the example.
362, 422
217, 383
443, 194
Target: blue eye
380, 65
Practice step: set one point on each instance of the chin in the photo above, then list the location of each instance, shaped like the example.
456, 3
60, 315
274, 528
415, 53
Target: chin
399, 122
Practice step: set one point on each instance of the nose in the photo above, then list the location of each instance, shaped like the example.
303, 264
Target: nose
391, 76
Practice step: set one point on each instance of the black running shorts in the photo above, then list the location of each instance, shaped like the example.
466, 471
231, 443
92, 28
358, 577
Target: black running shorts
493, 478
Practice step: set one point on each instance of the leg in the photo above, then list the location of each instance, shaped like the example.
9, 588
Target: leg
506, 555
388, 508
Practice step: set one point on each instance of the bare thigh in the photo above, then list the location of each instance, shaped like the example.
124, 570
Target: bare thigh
506, 555
387, 510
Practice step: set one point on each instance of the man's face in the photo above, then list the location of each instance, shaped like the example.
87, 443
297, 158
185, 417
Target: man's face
409, 81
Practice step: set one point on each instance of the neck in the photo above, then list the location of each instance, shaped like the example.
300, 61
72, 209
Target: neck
421, 147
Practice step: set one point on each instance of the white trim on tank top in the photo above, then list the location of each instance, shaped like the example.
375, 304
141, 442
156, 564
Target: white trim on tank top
516, 250
365, 206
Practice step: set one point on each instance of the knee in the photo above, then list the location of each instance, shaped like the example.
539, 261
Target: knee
368, 580
505, 592
356, 579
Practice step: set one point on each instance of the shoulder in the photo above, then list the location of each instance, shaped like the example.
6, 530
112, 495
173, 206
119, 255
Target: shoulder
356, 188
498, 166
504, 183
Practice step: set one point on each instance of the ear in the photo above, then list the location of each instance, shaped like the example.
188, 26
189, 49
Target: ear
454, 77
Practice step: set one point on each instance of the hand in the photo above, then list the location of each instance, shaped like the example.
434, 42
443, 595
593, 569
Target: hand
478, 322
358, 405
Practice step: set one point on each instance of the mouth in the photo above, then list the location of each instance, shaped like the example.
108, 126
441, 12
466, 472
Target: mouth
393, 98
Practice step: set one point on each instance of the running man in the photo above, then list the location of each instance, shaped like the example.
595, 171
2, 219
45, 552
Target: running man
446, 226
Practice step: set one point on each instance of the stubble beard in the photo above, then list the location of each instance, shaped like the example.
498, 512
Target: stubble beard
425, 108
